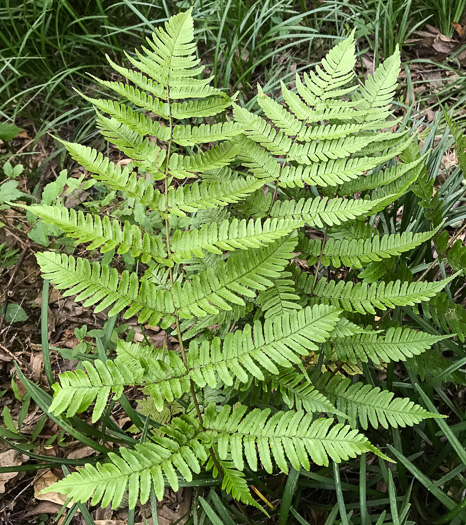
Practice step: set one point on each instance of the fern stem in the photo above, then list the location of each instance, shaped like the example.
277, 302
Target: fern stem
177, 319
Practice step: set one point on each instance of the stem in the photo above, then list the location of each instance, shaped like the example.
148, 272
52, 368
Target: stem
170, 272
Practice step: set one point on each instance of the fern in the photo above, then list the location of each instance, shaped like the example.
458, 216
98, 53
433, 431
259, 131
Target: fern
363, 298
358, 253
368, 405
397, 344
233, 212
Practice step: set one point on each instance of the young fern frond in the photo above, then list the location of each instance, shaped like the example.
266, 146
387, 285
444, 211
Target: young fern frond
298, 393
166, 380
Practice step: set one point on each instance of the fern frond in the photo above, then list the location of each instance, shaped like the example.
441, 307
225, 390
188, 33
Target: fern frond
136, 96
447, 315
104, 234
200, 108
299, 393
133, 354
112, 175
279, 298
286, 437
185, 447
396, 344
144, 153
217, 157
241, 276
332, 111
98, 284
358, 253
378, 90
336, 71
234, 483
204, 133
279, 143
380, 178
370, 405
279, 342
134, 120
204, 195
364, 298
229, 235
317, 211
165, 380
331, 173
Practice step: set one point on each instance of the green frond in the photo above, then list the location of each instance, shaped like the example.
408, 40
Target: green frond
298, 393
279, 298
166, 380
221, 155
112, 175
398, 186
98, 284
287, 438
331, 173
331, 111
368, 405
134, 471
320, 211
447, 315
345, 328
144, 153
133, 354
204, 195
278, 143
396, 344
104, 234
259, 162
383, 144
279, 342
380, 178
137, 97
229, 235
234, 483
336, 71
133, 120
365, 298
171, 60
204, 133
358, 253
200, 108
378, 90
325, 150
241, 276
261, 132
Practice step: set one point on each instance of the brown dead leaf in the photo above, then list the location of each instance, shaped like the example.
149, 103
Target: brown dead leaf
42, 482
82, 452
459, 28
44, 507
10, 458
